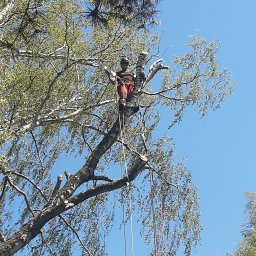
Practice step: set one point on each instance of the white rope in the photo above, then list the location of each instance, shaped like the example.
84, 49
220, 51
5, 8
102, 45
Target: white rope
122, 126
128, 183
152, 191
122, 193
122, 198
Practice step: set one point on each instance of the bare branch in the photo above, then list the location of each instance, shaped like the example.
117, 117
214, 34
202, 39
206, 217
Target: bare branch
23, 194
76, 234
166, 97
37, 150
1, 238
51, 56
154, 68
67, 175
30, 181
44, 120
141, 156
4, 187
56, 188
104, 178
133, 172
151, 168
174, 86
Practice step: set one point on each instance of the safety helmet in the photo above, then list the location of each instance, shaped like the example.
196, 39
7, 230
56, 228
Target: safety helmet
124, 61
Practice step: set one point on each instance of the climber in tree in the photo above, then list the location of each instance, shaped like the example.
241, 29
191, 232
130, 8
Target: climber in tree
125, 80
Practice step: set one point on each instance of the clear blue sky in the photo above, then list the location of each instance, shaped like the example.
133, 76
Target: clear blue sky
220, 149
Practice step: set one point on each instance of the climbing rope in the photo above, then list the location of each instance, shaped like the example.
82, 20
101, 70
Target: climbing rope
124, 163
129, 187
152, 192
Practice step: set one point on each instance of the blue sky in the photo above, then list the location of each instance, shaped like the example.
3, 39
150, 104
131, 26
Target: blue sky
220, 148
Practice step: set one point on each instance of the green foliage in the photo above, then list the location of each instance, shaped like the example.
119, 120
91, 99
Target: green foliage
56, 101
247, 246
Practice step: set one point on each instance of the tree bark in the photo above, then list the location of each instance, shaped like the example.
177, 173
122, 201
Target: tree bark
6, 10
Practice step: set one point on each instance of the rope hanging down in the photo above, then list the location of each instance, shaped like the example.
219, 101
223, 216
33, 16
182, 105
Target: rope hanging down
124, 163
140, 77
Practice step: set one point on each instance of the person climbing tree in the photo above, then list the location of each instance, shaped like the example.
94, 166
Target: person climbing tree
125, 80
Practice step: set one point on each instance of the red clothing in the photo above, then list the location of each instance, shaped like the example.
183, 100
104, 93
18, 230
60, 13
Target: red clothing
125, 81
125, 90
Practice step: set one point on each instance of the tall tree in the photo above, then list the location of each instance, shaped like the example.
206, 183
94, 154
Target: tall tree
56, 101
247, 246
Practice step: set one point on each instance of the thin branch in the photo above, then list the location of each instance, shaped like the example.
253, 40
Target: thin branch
36, 122
114, 38
37, 150
1, 238
4, 187
174, 86
76, 234
85, 142
141, 156
150, 168
30, 181
166, 97
23, 194
104, 178
178, 116
133, 172
43, 242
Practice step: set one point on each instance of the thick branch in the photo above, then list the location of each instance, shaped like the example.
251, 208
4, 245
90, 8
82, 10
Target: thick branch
83, 61
33, 227
154, 68
46, 120
133, 172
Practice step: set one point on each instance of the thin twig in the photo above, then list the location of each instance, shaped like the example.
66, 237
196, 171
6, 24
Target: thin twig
160, 176
76, 234
21, 192
37, 150
30, 181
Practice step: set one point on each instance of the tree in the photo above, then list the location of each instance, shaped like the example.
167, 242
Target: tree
56, 101
247, 247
